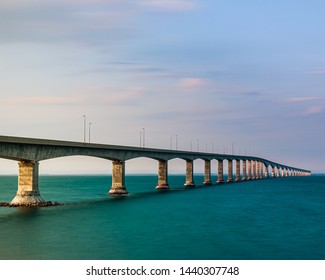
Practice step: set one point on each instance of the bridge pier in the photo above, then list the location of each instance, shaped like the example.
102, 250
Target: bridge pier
267, 172
207, 172
249, 176
162, 175
261, 170
230, 179
28, 192
273, 172
220, 171
118, 178
244, 178
257, 173
253, 170
237, 170
189, 174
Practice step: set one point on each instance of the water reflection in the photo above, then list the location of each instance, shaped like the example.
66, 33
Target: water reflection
27, 211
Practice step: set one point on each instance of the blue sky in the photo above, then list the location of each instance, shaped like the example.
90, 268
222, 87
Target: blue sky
221, 73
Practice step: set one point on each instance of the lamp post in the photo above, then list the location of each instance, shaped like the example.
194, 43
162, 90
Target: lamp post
89, 130
143, 134
84, 116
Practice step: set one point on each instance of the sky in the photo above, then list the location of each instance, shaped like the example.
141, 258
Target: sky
223, 75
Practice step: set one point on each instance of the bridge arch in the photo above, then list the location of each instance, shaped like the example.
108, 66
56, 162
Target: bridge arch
142, 165
75, 164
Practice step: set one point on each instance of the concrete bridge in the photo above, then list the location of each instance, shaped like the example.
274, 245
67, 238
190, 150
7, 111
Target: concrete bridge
29, 152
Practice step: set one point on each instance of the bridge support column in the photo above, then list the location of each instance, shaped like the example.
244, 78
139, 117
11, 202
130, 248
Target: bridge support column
28, 192
254, 170
257, 174
237, 170
273, 172
244, 178
266, 171
229, 171
220, 171
261, 170
162, 175
118, 178
207, 172
249, 176
189, 174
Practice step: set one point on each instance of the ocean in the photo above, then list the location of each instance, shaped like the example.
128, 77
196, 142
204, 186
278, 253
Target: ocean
274, 219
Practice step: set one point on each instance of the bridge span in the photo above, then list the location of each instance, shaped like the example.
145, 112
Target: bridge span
29, 152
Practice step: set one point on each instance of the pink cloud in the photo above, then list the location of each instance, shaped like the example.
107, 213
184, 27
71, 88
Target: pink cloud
313, 110
192, 83
303, 99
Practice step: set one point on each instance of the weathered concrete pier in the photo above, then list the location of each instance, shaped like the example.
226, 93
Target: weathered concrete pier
29, 152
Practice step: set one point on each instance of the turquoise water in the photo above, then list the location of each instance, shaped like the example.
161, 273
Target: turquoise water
280, 218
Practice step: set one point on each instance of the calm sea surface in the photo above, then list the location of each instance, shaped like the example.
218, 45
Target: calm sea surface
267, 219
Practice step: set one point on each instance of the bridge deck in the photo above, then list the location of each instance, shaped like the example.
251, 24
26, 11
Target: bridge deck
30, 151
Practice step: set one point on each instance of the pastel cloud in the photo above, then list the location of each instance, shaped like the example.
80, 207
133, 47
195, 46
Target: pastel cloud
303, 99
170, 5
87, 21
313, 110
192, 83
27, 3
65, 21
97, 95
